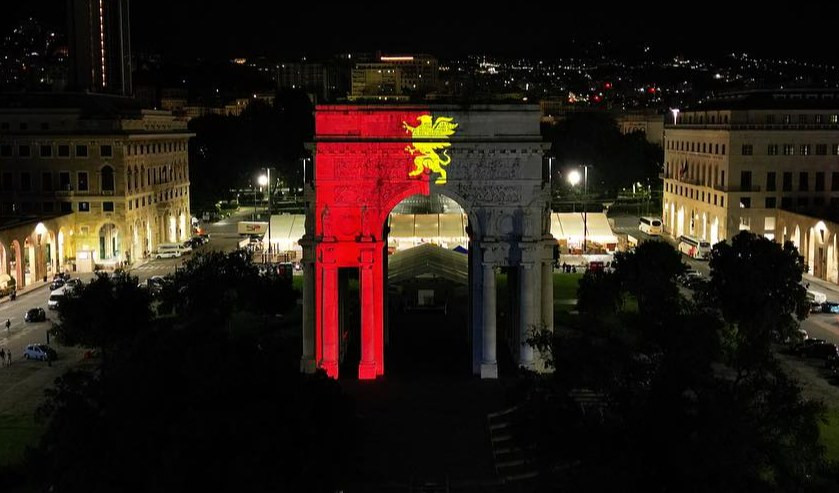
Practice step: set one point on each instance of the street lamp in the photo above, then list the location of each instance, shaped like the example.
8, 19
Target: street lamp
574, 179
265, 180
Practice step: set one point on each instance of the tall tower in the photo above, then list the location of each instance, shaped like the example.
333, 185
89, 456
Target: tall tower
100, 46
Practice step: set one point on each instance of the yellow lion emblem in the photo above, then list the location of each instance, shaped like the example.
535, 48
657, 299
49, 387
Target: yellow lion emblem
426, 151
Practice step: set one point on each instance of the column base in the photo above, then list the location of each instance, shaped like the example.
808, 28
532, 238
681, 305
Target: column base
367, 371
308, 365
489, 371
330, 367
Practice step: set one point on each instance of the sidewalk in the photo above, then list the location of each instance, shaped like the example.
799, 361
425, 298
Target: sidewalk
26, 289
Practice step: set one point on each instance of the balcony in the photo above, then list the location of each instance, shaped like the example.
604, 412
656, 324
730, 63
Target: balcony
737, 188
65, 191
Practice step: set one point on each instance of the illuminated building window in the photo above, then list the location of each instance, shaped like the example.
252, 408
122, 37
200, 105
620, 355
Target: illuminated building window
84, 206
805, 149
789, 150
82, 181
772, 149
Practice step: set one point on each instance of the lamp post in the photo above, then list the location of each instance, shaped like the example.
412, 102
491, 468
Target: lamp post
574, 179
266, 180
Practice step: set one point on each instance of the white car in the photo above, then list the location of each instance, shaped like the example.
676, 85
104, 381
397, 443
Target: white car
169, 250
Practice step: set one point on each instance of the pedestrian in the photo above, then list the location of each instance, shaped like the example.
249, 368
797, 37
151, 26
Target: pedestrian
2, 354
9, 357
8, 325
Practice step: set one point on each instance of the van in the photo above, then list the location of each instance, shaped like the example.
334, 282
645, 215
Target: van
55, 297
169, 250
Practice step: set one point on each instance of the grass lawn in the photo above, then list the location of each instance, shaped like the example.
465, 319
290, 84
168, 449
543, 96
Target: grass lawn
830, 435
565, 286
16, 433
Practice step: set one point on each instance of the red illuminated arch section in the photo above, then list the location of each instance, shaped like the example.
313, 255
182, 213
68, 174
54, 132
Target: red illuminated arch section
367, 160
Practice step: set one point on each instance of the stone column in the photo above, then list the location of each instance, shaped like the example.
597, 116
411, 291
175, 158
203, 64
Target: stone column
367, 366
526, 314
329, 306
307, 360
547, 295
489, 362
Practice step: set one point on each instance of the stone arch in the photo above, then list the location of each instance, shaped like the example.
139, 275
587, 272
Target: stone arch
832, 264
109, 246
364, 170
143, 178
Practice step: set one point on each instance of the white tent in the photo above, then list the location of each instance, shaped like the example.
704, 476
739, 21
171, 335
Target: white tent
568, 227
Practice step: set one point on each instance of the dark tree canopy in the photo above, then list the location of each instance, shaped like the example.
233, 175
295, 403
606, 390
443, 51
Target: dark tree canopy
103, 313
757, 285
649, 273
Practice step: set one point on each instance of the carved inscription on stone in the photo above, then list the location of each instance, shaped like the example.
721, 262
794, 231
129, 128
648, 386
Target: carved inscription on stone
487, 168
490, 194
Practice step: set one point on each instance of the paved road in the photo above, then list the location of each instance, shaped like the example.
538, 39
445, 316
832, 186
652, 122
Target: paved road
223, 237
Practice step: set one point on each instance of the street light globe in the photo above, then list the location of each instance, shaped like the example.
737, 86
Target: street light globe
263, 180
574, 177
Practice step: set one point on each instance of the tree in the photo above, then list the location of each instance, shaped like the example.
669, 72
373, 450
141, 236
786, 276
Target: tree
650, 273
599, 294
756, 283
104, 313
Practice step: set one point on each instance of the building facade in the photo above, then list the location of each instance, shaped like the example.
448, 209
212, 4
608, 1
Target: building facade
99, 35
730, 164
119, 173
651, 123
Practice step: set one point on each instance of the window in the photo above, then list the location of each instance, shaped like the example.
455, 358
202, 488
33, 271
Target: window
834, 182
802, 202
821, 149
772, 150
64, 181
787, 119
723, 146
106, 151
722, 201
819, 119
834, 149
834, 118
770, 202
107, 206
46, 150
803, 180
745, 180
25, 181
5, 150
716, 148
747, 149
770, 119
66, 207
63, 150
786, 202
48, 207
745, 202
81, 150
805, 149
789, 150
46, 181
83, 183
770, 181
819, 181
8, 181
24, 151
802, 119
84, 206
787, 186
107, 179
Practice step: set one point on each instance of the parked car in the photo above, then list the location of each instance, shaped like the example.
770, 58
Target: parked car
74, 283
40, 352
830, 307
35, 315
186, 247
823, 351
57, 283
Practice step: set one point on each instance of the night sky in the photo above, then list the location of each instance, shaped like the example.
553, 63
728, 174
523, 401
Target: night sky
214, 29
